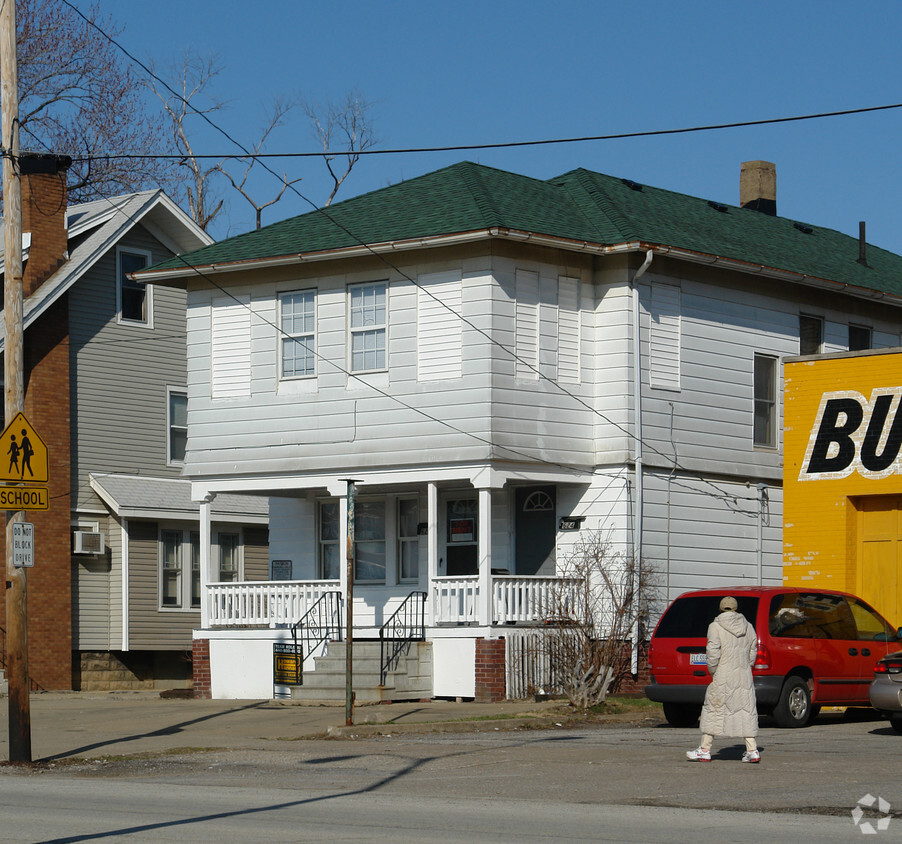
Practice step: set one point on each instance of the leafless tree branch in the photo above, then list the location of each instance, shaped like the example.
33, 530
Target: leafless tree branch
347, 125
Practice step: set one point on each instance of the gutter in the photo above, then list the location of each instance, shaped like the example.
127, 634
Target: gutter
519, 236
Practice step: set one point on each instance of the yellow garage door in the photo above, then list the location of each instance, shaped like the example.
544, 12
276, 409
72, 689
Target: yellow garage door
880, 554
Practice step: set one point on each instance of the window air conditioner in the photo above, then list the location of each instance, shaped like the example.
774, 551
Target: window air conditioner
87, 542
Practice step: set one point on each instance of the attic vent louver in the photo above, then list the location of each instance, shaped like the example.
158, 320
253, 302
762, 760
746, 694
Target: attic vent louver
718, 206
631, 184
803, 228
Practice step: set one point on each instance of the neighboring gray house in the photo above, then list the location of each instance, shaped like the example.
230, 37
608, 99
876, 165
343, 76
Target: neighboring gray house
497, 360
122, 558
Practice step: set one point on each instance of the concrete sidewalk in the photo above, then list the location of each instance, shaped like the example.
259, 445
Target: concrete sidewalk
97, 724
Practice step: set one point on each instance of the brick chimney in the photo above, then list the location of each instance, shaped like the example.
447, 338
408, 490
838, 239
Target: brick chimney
44, 201
758, 186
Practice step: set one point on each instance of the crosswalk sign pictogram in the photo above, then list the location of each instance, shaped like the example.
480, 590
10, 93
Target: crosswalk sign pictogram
24, 455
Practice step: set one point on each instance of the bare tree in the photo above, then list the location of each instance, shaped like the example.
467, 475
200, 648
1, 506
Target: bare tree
602, 598
78, 97
347, 125
280, 108
190, 81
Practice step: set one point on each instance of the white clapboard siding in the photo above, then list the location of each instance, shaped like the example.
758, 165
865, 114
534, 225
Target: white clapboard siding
527, 324
231, 347
439, 326
664, 352
569, 296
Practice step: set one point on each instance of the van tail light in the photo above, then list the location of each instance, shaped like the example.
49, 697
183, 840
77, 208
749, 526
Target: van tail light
651, 656
762, 660
888, 666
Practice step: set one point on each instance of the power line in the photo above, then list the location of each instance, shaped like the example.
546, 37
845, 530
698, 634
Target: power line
541, 376
770, 121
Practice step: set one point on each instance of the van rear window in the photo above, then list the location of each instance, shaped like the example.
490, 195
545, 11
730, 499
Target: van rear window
688, 618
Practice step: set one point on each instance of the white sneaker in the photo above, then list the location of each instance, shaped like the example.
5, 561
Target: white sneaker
700, 755
751, 756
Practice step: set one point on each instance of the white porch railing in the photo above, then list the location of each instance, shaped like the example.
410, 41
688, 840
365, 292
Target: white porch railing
515, 599
454, 600
269, 602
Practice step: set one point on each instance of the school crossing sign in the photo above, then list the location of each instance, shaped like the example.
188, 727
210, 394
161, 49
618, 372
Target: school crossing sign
23, 460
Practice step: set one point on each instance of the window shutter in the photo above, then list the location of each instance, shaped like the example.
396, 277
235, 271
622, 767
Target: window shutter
231, 347
439, 328
527, 324
664, 347
568, 329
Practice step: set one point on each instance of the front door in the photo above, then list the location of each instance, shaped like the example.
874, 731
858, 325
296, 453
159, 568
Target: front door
536, 530
462, 537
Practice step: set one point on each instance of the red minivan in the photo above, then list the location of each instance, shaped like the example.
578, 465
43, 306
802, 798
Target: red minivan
815, 647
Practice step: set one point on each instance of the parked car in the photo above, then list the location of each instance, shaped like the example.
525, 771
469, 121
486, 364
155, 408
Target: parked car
886, 688
815, 647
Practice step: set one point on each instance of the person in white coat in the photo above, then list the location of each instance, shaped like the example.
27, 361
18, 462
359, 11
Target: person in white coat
730, 708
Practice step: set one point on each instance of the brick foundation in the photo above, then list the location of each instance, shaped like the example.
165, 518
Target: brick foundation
628, 683
490, 670
200, 657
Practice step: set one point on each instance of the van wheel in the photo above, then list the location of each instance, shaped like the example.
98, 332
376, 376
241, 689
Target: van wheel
682, 714
794, 707
896, 720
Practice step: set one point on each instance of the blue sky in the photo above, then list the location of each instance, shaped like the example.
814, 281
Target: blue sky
445, 73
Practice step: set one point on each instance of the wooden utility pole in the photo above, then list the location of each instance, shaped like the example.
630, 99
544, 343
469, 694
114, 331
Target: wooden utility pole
13, 356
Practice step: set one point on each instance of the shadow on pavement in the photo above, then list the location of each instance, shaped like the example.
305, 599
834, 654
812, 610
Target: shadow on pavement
163, 731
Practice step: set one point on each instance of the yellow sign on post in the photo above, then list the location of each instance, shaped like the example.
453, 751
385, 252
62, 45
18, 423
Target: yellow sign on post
23, 455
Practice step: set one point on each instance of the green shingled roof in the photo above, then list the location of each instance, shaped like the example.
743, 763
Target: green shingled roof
580, 205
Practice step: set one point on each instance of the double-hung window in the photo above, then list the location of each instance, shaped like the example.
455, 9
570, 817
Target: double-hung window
134, 298
369, 541
408, 540
177, 426
860, 338
371, 550
329, 544
229, 563
298, 323
368, 326
765, 389
179, 569
811, 335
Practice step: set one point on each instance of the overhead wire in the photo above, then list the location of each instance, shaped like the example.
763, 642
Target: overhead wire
541, 376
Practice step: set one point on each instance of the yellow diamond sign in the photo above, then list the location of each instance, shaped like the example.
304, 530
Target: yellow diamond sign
23, 455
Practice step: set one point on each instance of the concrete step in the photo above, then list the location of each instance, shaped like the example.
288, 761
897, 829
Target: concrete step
326, 683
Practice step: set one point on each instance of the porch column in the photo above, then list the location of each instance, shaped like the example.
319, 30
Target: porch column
206, 570
431, 546
485, 557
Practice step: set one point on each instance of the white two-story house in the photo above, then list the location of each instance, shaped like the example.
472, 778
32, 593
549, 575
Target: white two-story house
501, 365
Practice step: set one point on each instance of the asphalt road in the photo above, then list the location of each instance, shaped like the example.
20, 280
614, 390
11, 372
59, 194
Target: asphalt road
605, 783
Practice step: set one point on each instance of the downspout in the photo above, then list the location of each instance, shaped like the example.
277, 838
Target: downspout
637, 459
762, 504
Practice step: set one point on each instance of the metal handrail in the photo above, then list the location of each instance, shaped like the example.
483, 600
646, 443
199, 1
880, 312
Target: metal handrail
321, 621
407, 624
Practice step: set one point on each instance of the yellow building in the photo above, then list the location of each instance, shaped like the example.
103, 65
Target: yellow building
842, 518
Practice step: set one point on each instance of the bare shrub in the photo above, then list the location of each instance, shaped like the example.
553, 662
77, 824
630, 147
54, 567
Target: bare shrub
604, 601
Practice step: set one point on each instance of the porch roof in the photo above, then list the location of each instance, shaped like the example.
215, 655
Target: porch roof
131, 496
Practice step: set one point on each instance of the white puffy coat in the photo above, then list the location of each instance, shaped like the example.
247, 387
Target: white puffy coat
730, 708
